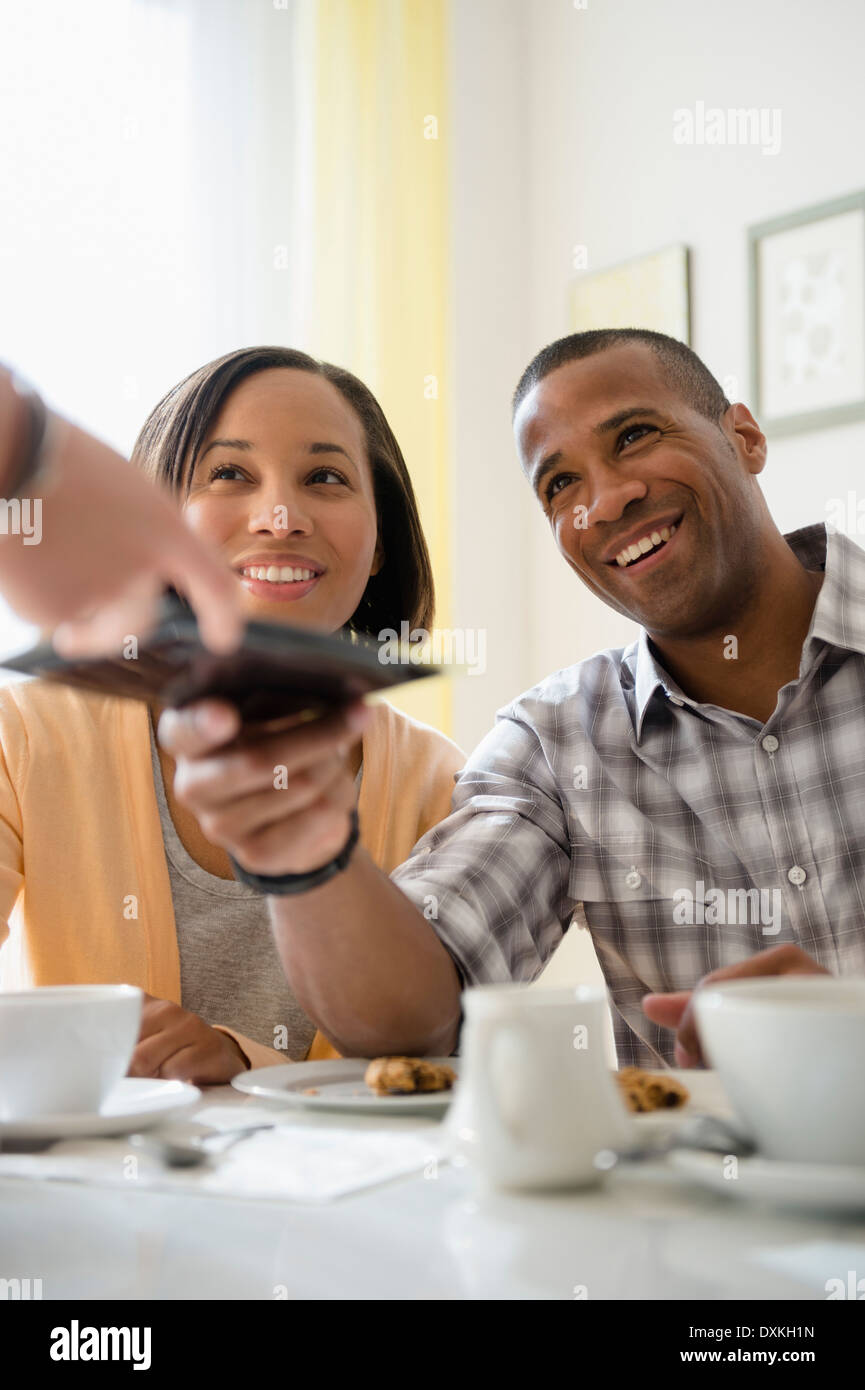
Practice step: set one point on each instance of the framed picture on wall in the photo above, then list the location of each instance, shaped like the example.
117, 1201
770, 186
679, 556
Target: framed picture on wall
807, 302
649, 292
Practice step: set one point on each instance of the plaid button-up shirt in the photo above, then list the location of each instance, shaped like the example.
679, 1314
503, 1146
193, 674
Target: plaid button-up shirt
691, 837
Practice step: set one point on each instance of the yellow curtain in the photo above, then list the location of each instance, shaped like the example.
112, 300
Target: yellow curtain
380, 256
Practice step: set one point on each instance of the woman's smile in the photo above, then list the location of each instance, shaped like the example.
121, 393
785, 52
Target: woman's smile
279, 578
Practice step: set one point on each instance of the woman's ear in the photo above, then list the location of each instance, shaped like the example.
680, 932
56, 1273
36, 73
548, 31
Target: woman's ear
377, 559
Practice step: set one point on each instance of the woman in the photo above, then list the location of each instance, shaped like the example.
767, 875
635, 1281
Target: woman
289, 467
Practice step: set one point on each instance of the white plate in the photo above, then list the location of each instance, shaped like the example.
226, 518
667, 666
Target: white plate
806, 1186
707, 1097
135, 1103
340, 1086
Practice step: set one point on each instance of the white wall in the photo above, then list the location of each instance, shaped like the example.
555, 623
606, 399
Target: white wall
489, 310
604, 172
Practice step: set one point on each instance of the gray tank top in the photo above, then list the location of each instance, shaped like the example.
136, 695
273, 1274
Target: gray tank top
230, 972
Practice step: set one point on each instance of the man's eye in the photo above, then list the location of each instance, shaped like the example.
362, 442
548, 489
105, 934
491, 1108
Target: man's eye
635, 429
557, 484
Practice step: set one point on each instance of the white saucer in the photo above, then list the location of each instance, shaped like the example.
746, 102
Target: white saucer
814, 1186
340, 1086
135, 1103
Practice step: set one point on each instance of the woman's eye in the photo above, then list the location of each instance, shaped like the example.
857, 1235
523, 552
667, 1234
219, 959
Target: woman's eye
635, 429
554, 485
322, 475
221, 469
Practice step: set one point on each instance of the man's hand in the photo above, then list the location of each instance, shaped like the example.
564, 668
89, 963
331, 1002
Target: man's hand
677, 1010
177, 1045
363, 961
292, 823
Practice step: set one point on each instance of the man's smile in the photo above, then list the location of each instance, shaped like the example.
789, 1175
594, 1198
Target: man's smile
646, 546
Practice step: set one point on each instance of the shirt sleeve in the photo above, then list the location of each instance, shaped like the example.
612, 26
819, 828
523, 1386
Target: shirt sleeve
492, 879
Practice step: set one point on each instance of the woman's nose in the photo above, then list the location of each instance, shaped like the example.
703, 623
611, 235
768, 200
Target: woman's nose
281, 512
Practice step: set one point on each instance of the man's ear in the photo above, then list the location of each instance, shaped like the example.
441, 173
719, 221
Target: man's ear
748, 438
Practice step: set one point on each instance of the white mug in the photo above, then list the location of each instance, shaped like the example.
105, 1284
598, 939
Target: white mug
537, 1100
789, 1050
64, 1047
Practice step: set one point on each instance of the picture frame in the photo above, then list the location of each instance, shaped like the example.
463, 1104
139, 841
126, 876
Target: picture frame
807, 316
651, 291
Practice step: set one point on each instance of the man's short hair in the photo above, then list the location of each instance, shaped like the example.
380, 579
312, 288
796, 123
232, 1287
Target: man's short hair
688, 376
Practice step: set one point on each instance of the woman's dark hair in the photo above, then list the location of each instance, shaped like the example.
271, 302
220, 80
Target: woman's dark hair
175, 430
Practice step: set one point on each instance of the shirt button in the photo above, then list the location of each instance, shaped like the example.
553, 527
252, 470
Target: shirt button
797, 875
770, 743
633, 879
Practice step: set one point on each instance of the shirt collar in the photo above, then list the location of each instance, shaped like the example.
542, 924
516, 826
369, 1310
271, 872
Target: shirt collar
838, 618
839, 614
649, 677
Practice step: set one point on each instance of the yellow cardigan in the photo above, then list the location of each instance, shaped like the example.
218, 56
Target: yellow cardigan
83, 876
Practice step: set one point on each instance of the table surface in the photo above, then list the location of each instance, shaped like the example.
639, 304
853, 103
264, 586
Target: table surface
642, 1234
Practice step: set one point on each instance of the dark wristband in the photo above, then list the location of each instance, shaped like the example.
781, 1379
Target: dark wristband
283, 885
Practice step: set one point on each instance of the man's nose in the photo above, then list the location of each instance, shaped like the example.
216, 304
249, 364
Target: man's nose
611, 496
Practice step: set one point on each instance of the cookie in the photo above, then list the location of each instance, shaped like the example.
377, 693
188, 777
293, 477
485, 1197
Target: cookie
643, 1091
402, 1076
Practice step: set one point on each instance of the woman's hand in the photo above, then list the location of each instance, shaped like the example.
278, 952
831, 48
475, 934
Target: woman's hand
109, 542
279, 802
177, 1045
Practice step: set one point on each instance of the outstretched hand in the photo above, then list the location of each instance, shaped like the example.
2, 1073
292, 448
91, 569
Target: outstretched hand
107, 544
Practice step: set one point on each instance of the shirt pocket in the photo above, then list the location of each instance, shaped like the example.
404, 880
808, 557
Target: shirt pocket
635, 901
630, 869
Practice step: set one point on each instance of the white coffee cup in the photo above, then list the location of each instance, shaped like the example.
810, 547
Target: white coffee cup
789, 1050
537, 1101
64, 1047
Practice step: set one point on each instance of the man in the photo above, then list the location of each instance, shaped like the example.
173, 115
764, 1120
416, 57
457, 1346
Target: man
700, 792
108, 541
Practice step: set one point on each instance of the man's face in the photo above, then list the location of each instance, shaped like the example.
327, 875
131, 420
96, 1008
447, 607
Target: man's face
618, 459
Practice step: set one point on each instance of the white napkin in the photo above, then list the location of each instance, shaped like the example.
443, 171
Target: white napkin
291, 1162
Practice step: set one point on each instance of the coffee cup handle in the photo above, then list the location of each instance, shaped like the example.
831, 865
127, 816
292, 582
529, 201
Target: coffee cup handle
489, 1088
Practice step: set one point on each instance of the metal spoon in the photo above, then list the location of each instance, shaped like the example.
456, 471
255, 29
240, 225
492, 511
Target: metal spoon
190, 1144
707, 1132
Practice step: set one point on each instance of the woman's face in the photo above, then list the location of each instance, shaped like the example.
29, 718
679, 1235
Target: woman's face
283, 487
